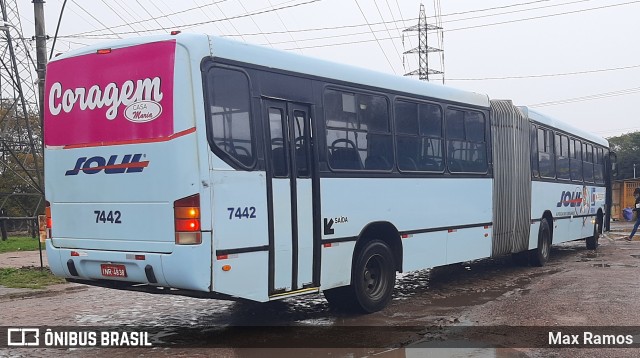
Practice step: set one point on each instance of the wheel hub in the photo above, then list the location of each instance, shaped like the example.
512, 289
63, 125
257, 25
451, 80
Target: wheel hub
372, 276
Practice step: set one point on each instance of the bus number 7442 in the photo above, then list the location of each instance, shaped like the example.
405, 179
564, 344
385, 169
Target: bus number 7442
246, 212
111, 216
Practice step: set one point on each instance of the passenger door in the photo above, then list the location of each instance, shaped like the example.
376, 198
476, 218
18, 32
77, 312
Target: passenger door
289, 185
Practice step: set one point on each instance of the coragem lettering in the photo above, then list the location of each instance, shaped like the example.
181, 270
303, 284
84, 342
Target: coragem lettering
111, 96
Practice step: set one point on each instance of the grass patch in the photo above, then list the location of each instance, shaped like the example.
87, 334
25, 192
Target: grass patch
19, 243
28, 277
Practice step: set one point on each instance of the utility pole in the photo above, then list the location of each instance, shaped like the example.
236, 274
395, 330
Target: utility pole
423, 49
41, 61
41, 55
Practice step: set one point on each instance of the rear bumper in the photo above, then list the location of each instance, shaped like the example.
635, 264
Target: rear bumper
187, 267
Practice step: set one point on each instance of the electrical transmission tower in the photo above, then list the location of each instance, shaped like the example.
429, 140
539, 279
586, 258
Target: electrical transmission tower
423, 49
21, 174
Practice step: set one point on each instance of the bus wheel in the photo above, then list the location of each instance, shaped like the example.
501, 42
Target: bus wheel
372, 281
540, 255
592, 241
373, 276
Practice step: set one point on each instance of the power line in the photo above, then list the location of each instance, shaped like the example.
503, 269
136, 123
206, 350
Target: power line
484, 25
223, 25
385, 26
492, 8
116, 12
618, 130
88, 33
127, 8
162, 12
382, 30
95, 18
283, 24
186, 26
252, 20
231, 23
153, 18
81, 16
516, 11
596, 96
390, 37
438, 10
148, 13
366, 32
124, 5
546, 75
544, 16
375, 37
286, 2
400, 32
204, 13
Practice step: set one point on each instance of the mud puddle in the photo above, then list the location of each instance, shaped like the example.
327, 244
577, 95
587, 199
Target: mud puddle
419, 298
465, 285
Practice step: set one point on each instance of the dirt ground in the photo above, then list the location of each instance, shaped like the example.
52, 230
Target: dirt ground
22, 258
486, 308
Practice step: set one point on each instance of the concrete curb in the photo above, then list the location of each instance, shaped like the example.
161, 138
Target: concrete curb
53, 290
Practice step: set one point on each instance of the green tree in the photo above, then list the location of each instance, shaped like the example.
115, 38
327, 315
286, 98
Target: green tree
627, 147
20, 167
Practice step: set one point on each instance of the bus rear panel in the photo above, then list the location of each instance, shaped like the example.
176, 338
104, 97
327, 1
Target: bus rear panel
123, 169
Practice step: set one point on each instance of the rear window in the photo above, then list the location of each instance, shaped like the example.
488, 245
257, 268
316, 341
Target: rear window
231, 129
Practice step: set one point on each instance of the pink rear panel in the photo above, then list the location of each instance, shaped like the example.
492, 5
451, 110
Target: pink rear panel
122, 96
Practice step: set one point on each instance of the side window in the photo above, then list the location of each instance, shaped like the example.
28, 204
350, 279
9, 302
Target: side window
419, 141
230, 114
302, 152
587, 162
466, 142
358, 131
575, 159
598, 166
563, 170
278, 152
545, 153
533, 140
455, 124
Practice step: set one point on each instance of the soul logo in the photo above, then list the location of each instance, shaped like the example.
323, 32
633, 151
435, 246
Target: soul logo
130, 163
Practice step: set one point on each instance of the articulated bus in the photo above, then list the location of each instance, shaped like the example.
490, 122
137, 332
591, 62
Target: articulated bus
196, 165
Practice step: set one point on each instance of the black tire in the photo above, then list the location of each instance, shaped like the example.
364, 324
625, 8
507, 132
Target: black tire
592, 241
540, 255
373, 277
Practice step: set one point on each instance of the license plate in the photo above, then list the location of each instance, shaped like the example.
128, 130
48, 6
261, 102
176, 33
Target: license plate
109, 270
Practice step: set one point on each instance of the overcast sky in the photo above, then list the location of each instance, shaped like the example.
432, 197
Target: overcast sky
544, 42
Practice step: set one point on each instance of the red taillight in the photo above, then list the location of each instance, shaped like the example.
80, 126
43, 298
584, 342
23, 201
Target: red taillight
44, 222
187, 225
103, 51
186, 213
175, 32
47, 213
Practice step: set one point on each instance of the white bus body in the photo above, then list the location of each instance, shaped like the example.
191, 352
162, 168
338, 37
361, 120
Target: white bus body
202, 166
